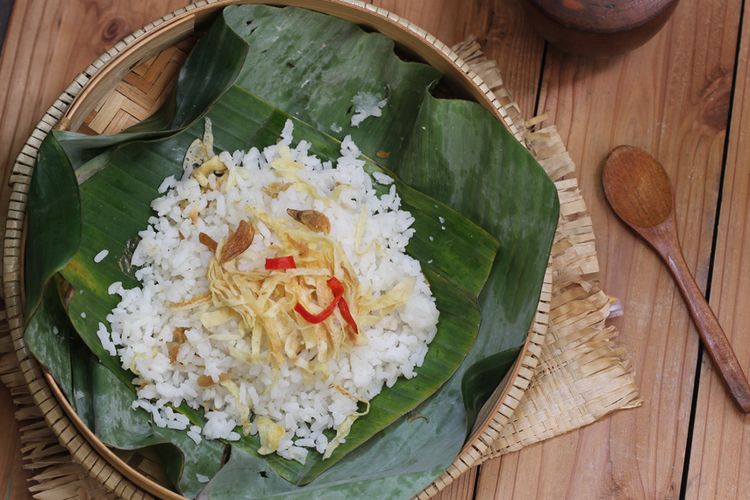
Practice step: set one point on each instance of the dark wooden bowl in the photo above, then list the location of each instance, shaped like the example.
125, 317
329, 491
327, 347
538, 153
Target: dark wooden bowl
598, 27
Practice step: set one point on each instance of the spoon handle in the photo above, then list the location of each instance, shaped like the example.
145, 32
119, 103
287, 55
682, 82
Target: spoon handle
714, 339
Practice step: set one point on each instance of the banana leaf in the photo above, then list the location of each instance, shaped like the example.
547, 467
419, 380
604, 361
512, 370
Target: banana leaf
234, 481
119, 426
54, 214
115, 204
81, 370
89, 386
310, 66
54, 222
48, 337
474, 391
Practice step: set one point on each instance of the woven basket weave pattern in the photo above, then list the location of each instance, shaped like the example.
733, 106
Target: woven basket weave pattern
510, 420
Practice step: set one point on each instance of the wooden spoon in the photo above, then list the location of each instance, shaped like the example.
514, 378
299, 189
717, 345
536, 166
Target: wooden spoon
638, 189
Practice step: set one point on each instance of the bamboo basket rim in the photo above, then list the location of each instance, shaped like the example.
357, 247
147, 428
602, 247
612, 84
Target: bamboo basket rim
70, 110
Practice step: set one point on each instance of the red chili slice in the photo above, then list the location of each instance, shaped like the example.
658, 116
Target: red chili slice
321, 316
347, 314
338, 300
336, 287
338, 291
281, 263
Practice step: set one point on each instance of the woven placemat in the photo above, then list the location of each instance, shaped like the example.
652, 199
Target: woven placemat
578, 374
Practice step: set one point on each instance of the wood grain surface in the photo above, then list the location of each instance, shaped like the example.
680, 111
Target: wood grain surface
671, 97
720, 453
640, 193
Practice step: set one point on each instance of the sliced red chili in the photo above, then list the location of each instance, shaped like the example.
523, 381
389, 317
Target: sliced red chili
347, 314
281, 263
319, 317
338, 291
338, 301
336, 287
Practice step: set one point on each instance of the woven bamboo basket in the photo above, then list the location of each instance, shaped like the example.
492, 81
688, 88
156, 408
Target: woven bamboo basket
126, 85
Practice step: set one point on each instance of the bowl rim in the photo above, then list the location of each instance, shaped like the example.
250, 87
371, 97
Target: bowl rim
72, 107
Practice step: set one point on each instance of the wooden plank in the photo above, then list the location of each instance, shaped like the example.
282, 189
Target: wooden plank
670, 97
719, 464
503, 30
46, 45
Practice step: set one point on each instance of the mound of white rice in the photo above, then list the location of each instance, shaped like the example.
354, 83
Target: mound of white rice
173, 266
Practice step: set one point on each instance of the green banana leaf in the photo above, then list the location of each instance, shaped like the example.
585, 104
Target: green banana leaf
243, 469
54, 222
453, 150
54, 214
88, 385
475, 392
117, 425
48, 337
514, 200
116, 205
82, 363
310, 66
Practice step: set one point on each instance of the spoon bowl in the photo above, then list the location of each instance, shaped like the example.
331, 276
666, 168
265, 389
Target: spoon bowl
648, 200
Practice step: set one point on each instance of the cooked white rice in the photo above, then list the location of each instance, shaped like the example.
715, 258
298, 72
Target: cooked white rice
174, 269
366, 105
101, 256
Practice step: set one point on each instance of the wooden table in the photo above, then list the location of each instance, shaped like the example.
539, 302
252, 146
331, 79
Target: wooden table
681, 96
